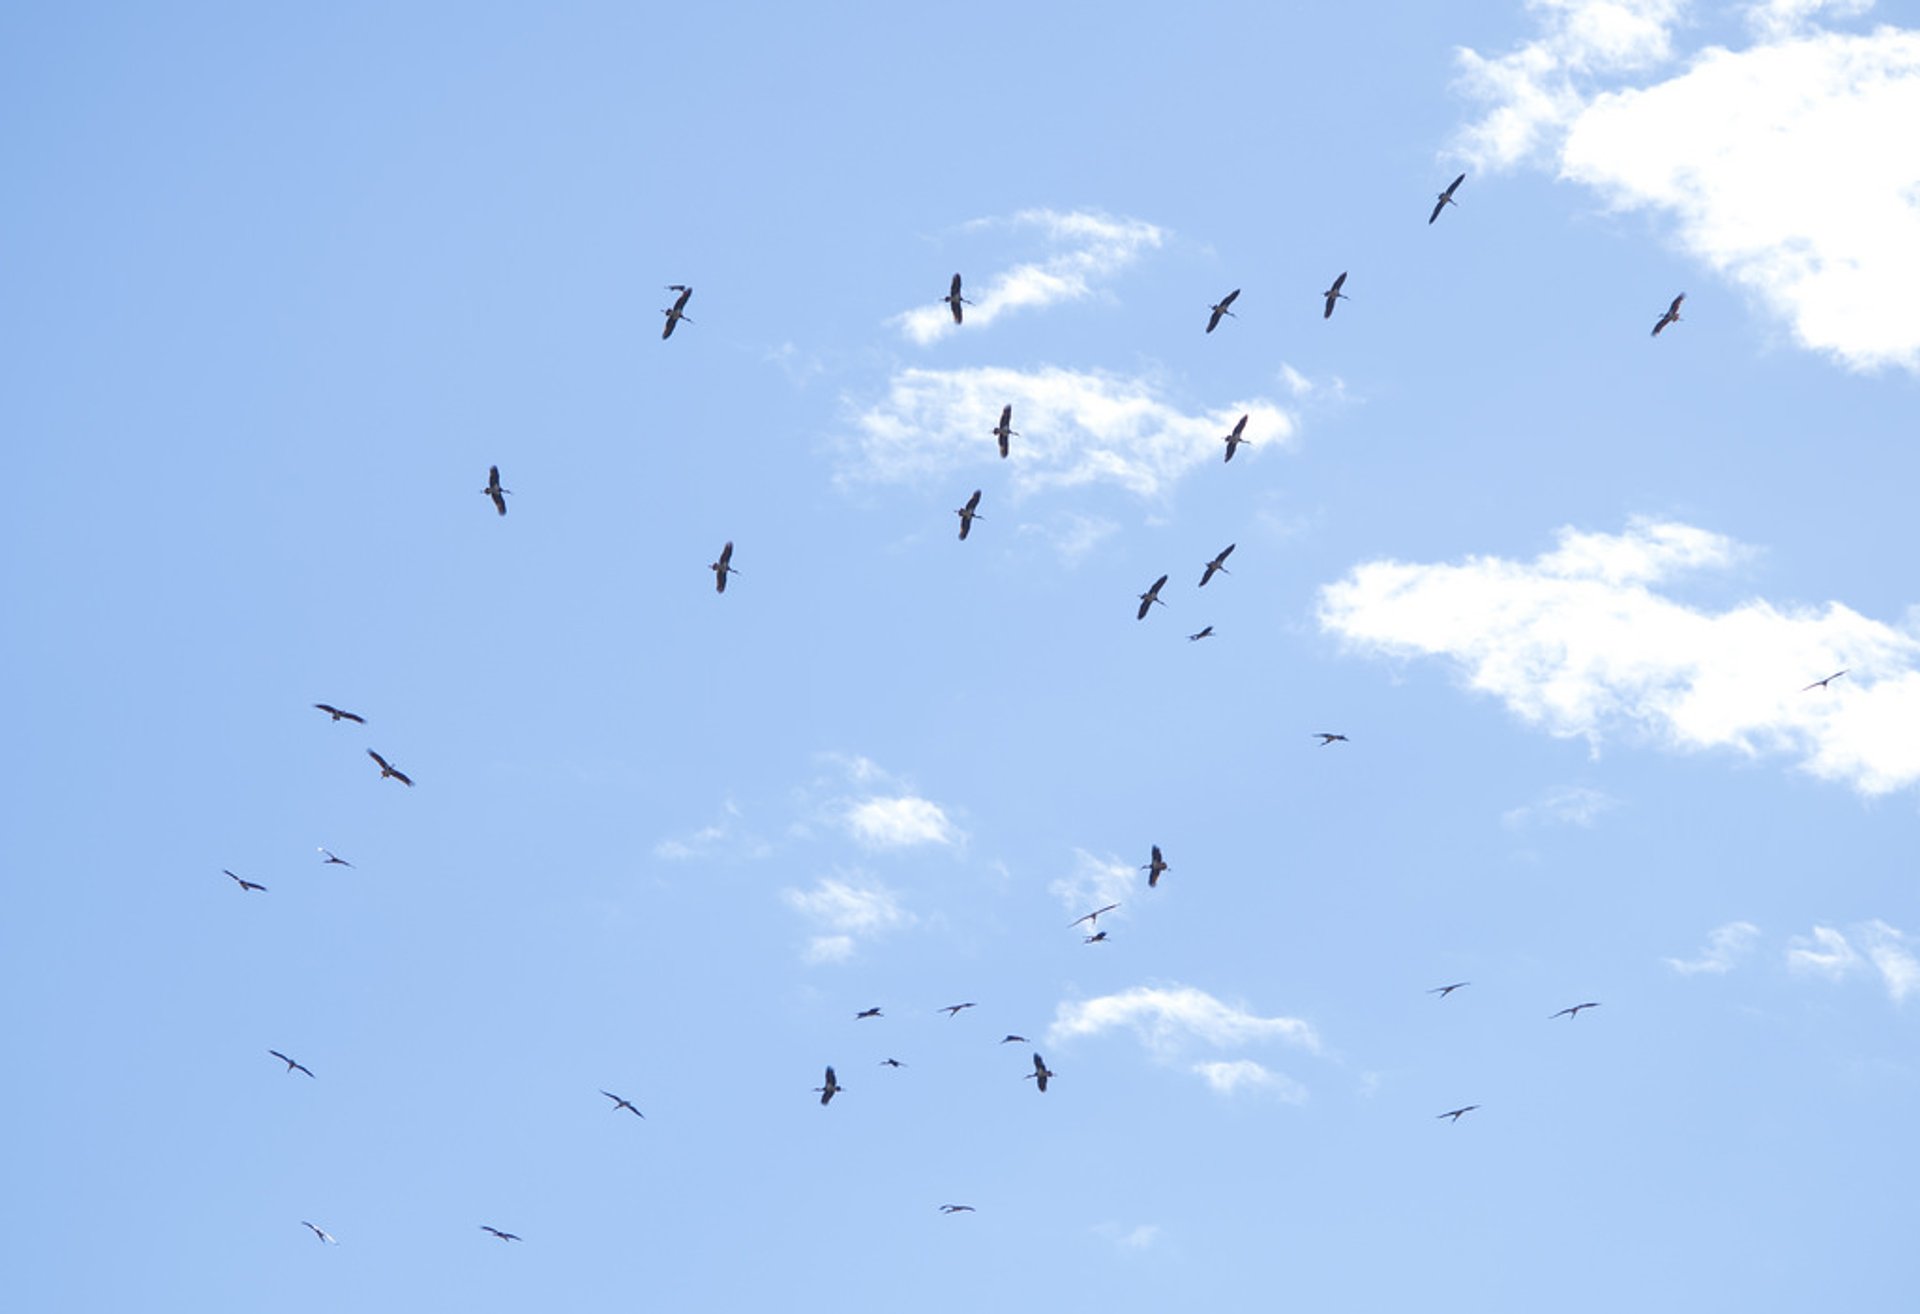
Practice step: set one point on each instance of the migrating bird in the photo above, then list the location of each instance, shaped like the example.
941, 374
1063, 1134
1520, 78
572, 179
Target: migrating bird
1574, 1011
1445, 990
329, 860
1010, 1039
1219, 563
619, 1104
952, 1010
892, 1063
1234, 439
1325, 738
494, 490
1098, 937
247, 885
1092, 918
1040, 1072
1455, 1114
1671, 317
325, 1237
504, 1236
1821, 684
723, 568
1005, 430
1220, 308
677, 311
1446, 198
340, 714
828, 1091
968, 514
388, 770
954, 300
1150, 597
291, 1065
1334, 294
1154, 868
866, 1012
1204, 634
957, 1209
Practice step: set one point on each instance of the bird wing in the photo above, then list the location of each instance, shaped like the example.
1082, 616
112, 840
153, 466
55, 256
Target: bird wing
954, 290
973, 502
403, 778
680, 302
1227, 300
1438, 206
1240, 428
1225, 552
381, 760
1339, 283
1328, 312
1006, 415
667, 332
499, 500
1158, 584
1673, 311
1211, 567
1454, 185
726, 554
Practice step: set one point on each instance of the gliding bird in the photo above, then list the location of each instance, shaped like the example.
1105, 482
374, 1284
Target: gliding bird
340, 714
1204, 634
1154, 868
504, 1236
619, 1104
495, 491
1456, 1114
723, 568
1334, 294
1445, 990
1234, 439
677, 311
291, 1065
1040, 1073
956, 1209
387, 770
247, 885
1326, 738
1574, 1011
1671, 317
867, 1012
325, 1237
1150, 597
1218, 564
329, 860
968, 515
1446, 198
1005, 430
828, 1091
1821, 684
952, 1010
1213, 320
1092, 918
954, 300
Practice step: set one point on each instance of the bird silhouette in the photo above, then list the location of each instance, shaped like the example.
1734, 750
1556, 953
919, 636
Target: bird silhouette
1446, 198
1005, 430
968, 514
245, 884
1013, 1039
952, 1010
291, 1065
1574, 1011
1203, 634
1218, 565
1234, 440
325, 1237
1445, 990
387, 769
677, 311
956, 1209
619, 1104
328, 859
1220, 308
495, 491
1671, 317
723, 568
891, 1063
1326, 738
866, 1012
1334, 294
504, 1236
1154, 868
1821, 684
341, 714
1456, 1114
1093, 918
1150, 597
828, 1091
954, 300
1040, 1073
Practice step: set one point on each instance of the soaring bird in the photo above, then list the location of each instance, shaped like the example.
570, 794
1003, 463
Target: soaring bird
1326, 738
326, 1238
1220, 308
1446, 198
968, 515
1005, 430
388, 770
952, 1010
1234, 439
832, 1088
328, 859
247, 885
1219, 563
1204, 634
1821, 684
1574, 1011
867, 1012
723, 568
677, 311
1011, 1039
1671, 317
291, 1065
956, 1209
1093, 918
1456, 1114
495, 491
619, 1104
1040, 1072
1098, 937
340, 714
1445, 990
1150, 597
504, 1236
1334, 294
1154, 868
954, 300
891, 1063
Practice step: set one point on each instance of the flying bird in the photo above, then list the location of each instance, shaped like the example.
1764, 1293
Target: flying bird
1445, 990
1671, 317
968, 515
1150, 597
504, 1236
952, 1010
1234, 439
1093, 918
1446, 198
723, 568
1154, 868
1574, 1011
495, 491
1040, 1072
828, 1091
291, 1065
956, 1209
247, 885
866, 1012
954, 300
1005, 430
677, 311
1334, 294
1325, 738
1010, 1039
891, 1063
1098, 937
1204, 634
1220, 308
387, 770
325, 1237
619, 1104
330, 860
340, 714
1219, 564
1821, 684
1456, 1114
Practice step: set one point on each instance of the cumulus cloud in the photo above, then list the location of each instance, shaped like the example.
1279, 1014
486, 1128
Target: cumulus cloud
844, 912
1167, 1017
1580, 642
1726, 945
1237, 1075
892, 823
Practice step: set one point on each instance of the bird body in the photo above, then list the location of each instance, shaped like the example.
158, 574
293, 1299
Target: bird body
1098, 937
866, 1012
341, 714
968, 514
1671, 317
954, 300
504, 1236
246, 885
1041, 1073
891, 1063
1013, 1040
1154, 868
828, 1091
619, 1104
495, 491
1204, 634
1325, 738
674, 313
1218, 564
1334, 294
387, 769
956, 1209
723, 568
1234, 439
1220, 308
1150, 597
1005, 430
1446, 198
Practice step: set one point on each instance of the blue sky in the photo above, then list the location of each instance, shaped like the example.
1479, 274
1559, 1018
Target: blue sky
283, 285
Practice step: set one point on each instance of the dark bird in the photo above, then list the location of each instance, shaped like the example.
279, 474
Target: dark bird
330, 860
1334, 294
388, 770
1010, 1040
892, 1063
1574, 1011
247, 885
954, 300
968, 515
956, 1209
1455, 1114
619, 1104
1040, 1073
1325, 738
1204, 634
866, 1012
1821, 684
1005, 430
291, 1065
1445, 990
1234, 439
1098, 937
677, 311
339, 714
952, 1010
1154, 868
723, 568
1446, 198
1219, 564
504, 1236
1671, 317
1220, 308
1150, 597
828, 1091
325, 1237
1093, 918
495, 491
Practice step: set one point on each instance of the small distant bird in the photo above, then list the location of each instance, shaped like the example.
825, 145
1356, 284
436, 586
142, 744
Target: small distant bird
1234, 439
1005, 430
619, 1104
866, 1012
957, 1209
340, 714
1040, 1073
1150, 597
1010, 1039
1098, 937
386, 769
952, 1010
328, 859
1220, 308
1455, 1114
325, 1237
247, 885
1574, 1011
1154, 868
723, 568
677, 311
495, 491
891, 1063
1218, 564
828, 1091
1671, 317
968, 514
954, 300
1326, 738
1204, 634
291, 1065
1821, 684
1093, 918
1446, 198
504, 1236
1445, 990
1334, 294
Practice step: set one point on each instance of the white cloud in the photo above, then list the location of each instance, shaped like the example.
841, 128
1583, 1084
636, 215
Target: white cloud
1826, 952
1094, 247
1165, 1017
720, 840
1137, 1237
1725, 945
1094, 883
1578, 641
846, 911
1887, 949
1229, 1078
1775, 19
1073, 535
1574, 805
892, 823
1075, 428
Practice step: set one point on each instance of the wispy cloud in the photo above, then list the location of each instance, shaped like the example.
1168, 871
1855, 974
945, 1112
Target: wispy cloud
722, 839
900, 822
1570, 805
1726, 945
1074, 535
846, 910
1887, 949
1076, 428
1824, 953
1167, 1017
1094, 883
1579, 642
1087, 250
1232, 1077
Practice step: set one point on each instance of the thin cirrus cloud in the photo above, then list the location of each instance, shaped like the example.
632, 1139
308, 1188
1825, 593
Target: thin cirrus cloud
1725, 947
1165, 1018
1886, 949
1234, 1076
1755, 155
1580, 642
1570, 805
845, 910
1087, 249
